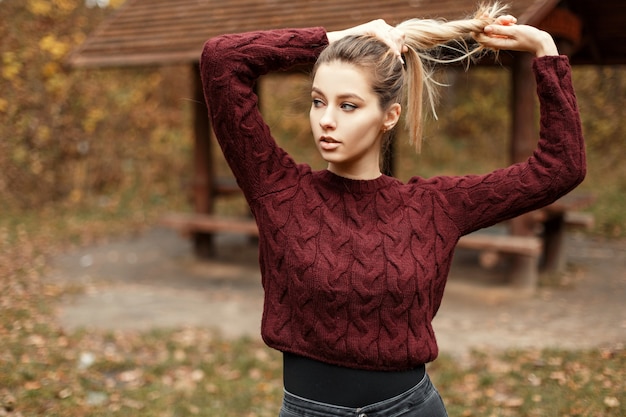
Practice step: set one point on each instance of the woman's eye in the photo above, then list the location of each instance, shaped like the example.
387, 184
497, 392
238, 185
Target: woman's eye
348, 106
317, 103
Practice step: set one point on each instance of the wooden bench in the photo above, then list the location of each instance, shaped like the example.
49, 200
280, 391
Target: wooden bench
188, 223
579, 220
555, 220
524, 274
528, 250
571, 219
225, 186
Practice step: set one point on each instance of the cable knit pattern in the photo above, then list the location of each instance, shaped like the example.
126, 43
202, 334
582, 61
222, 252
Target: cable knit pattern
354, 270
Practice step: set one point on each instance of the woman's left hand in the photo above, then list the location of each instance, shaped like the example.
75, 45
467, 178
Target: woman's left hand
505, 34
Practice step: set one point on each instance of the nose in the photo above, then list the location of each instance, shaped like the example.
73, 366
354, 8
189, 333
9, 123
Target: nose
327, 121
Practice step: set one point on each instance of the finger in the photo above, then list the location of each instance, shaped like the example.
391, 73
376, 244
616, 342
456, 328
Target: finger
495, 37
498, 31
397, 40
392, 37
506, 20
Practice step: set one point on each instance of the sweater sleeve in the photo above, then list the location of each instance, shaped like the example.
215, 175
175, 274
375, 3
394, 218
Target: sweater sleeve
556, 166
229, 67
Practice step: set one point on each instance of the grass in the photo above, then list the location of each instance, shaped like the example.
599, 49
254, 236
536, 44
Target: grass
534, 383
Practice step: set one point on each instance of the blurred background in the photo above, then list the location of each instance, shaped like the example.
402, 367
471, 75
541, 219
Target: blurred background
88, 155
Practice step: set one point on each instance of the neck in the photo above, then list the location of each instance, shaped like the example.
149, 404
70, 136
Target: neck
355, 173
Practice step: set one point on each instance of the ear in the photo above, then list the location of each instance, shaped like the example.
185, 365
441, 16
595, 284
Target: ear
392, 115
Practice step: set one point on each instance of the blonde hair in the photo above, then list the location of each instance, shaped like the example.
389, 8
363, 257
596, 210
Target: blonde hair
429, 42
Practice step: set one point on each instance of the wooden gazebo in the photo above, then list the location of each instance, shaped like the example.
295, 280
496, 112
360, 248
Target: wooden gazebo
162, 32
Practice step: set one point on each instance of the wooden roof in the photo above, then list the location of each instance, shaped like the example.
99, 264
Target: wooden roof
148, 32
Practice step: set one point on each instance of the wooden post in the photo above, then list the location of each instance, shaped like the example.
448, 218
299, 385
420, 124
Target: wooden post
203, 174
523, 142
524, 131
554, 252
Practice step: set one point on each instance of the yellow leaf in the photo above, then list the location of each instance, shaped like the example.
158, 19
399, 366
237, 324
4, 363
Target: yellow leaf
50, 69
52, 45
39, 7
20, 153
11, 66
65, 5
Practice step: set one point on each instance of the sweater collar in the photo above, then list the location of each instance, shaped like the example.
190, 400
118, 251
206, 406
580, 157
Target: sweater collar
353, 186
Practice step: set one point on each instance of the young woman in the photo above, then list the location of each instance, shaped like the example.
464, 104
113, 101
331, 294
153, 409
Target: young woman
354, 263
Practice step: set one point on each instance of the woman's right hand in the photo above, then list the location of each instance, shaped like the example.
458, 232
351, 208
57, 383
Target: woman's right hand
377, 28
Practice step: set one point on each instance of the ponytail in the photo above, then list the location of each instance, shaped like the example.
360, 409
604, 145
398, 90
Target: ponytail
427, 40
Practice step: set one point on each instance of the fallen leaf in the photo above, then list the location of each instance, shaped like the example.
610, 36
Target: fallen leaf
611, 402
32, 385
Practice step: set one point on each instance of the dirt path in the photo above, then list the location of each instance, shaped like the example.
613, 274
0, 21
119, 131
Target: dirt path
154, 281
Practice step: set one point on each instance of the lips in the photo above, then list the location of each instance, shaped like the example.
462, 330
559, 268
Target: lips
328, 143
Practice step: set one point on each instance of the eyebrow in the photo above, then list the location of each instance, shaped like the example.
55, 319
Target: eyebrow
341, 96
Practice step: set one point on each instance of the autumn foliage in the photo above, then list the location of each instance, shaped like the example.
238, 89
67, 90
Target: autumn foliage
71, 136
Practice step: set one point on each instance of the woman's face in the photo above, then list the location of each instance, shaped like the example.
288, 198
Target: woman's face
347, 121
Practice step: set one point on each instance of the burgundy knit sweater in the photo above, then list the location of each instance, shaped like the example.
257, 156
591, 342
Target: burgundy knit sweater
354, 270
